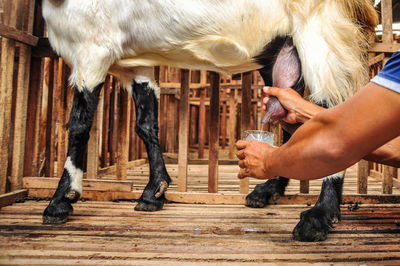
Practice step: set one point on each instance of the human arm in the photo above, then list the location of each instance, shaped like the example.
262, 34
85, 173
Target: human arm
333, 139
300, 111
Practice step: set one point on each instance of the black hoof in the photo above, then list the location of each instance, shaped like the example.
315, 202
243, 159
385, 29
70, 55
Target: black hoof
150, 201
149, 206
57, 213
261, 194
315, 224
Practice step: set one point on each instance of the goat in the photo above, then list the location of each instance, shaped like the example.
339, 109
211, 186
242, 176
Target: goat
321, 44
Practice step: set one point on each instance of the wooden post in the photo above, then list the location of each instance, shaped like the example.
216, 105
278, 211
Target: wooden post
51, 118
62, 119
388, 174
202, 123
93, 145
362, 177
387, 21
17, 169
213, 134
202, 114
232, 122
6, 88
106, 121
123, 143
114, 122
223, 120
304, 186
245, 119
183, 131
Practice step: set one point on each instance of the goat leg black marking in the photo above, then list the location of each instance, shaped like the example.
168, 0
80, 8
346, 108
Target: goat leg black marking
146, 127
316, 222
70, 185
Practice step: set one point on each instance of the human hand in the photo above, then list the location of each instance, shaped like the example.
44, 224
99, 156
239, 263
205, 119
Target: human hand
253, 156
298, 109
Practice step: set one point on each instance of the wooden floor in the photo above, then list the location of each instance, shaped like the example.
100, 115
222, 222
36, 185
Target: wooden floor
104, 233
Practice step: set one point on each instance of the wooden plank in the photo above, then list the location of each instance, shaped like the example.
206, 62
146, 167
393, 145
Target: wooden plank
106, 122
362, 177
385, 48
183, 131
387, 21
215, 198
304, 186
245, 118
223, 121
9, 198
213, 133
202, 123
232, 122
62, 134
376, 59
88, 184
18, 35
123, 138
388, 174
114, 122
113, 168
133, 151
6, 88
92, 163
51, 118
17, 168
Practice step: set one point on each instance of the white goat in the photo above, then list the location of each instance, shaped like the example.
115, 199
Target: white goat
326, 40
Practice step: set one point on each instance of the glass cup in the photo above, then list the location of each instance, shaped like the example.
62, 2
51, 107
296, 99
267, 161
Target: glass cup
259, 135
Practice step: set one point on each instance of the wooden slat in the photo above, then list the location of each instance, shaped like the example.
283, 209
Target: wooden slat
106, 121
18, 35
183, 131
245, 118
232, 122
17, 168
88, 184
9, 198
387, 21
6, 88
388, 174
214, 198
113, 168
362, 177
93, 147
376, 59
202, 123
385, 48
213, 133
123, 137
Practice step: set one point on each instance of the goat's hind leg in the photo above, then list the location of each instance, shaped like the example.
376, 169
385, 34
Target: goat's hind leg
70, 185
316, 222
146, 103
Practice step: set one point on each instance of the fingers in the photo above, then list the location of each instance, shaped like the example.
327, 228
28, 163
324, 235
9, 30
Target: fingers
243, 173
240, 154
274, 91
241, 144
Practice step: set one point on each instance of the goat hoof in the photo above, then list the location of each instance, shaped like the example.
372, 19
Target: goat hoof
148, 207
57, 213
261, 194
314, 225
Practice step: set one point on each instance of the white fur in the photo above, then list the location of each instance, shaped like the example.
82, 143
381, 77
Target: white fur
96, 36
76, 175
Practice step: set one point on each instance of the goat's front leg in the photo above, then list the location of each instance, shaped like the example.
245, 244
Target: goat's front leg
70, 186
316, 222
146, 127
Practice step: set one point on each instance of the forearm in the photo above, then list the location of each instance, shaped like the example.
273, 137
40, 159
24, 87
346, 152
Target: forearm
388, 154
337, 138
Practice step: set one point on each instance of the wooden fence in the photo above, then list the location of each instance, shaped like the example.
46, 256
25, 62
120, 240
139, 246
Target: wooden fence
199, 112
